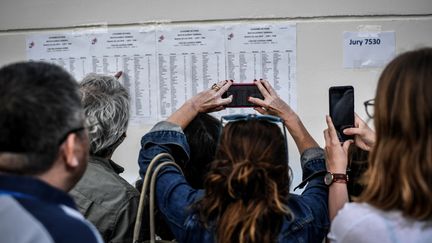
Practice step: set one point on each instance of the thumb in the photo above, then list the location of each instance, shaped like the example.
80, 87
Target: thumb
346, 144
352, 131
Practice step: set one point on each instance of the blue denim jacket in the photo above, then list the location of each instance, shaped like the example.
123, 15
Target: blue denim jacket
174, 195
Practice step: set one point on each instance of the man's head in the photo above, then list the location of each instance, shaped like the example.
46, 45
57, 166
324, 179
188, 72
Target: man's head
41, 122
106, 105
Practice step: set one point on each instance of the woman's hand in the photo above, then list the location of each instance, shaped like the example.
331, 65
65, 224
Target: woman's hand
272, 103
205, 101
211, 100
336, 155
364, 136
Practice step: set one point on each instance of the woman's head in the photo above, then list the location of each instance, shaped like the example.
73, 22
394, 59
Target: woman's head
202, 135
247, 186
258, 149
401, 161
106, 105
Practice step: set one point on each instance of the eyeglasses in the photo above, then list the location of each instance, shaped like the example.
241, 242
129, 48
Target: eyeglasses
248, 117
75, 130
369, 107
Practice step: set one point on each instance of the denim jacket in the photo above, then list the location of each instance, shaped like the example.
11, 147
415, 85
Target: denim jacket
174, 195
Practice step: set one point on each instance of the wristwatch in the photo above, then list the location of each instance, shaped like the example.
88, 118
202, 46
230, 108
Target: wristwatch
329, 178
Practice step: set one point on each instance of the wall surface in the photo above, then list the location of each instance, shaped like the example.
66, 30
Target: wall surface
320, 25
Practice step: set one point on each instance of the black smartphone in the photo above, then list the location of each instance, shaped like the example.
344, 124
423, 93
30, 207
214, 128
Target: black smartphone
241, 92
341, 103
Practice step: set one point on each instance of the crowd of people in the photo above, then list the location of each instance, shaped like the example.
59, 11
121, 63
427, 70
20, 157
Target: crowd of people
233, 179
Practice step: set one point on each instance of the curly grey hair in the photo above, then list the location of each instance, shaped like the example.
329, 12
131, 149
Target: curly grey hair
106, 105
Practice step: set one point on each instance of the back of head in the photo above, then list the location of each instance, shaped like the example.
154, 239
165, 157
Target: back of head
401, 161
39, 105
202, 134
106, 105
248, 185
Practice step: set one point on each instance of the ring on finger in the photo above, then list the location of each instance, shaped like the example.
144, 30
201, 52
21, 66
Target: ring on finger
215, 87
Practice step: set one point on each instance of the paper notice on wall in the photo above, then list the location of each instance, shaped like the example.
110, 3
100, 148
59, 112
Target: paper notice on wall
368, 49
263, 51
63, 49
132, 52
164, 66
190, 60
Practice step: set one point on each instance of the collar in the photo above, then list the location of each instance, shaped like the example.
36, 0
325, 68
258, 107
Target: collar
107, 163
29, 187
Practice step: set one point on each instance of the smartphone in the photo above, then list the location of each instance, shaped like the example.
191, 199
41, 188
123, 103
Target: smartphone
241, 92
341, 103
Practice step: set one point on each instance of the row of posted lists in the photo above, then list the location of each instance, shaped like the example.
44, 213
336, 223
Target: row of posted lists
164, 66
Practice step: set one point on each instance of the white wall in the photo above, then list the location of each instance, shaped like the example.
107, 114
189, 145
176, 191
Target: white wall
320, 25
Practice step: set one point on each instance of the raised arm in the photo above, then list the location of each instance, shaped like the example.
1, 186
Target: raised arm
205, 101
272, 104
336, 160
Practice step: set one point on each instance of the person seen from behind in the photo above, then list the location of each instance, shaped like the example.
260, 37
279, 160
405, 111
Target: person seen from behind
102, 195
396, 203
43, 153
246, 191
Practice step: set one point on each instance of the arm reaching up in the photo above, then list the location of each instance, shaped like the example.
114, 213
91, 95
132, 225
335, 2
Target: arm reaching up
274, 105
336, 161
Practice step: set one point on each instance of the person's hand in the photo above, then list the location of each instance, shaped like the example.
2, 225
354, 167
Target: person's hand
118, 74
211, 100
205, 101
272, 103
336, 155
364, 136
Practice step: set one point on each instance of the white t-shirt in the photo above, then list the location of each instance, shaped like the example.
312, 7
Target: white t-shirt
360, 222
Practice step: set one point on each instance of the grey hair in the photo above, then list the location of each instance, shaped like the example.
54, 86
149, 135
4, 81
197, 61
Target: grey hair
106, 106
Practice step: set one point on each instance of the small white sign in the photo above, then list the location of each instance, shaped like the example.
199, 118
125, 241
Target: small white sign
368, 49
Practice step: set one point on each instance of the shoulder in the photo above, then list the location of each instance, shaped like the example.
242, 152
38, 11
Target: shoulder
14, 214
56, 221
103, 184
355, 222
103, 194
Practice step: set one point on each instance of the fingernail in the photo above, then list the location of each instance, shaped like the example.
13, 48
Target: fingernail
261, 79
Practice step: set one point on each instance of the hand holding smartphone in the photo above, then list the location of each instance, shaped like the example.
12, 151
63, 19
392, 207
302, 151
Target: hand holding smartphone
241, 92
341, 103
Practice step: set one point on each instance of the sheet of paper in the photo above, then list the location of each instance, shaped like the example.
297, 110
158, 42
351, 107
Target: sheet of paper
368, 49
266, 51
165, 65
190, 59
64, 49
131, 51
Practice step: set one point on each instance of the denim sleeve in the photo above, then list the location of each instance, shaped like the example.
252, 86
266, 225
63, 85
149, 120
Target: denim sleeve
316, 192
173, 193
164, 137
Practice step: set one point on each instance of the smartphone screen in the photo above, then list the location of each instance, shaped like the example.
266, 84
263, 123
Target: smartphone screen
241, 92
341, 102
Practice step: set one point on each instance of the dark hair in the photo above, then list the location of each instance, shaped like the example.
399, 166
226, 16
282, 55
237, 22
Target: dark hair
247, 188
400, 165
202, 135
39, 105
358, 164
106, 106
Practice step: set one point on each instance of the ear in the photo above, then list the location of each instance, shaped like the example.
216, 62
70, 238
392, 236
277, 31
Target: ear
69, 151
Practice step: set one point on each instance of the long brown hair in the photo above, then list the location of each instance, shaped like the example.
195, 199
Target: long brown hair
400, 172
247, 187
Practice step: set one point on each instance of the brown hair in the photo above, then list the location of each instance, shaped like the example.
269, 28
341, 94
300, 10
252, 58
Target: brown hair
247, 186
400, 172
